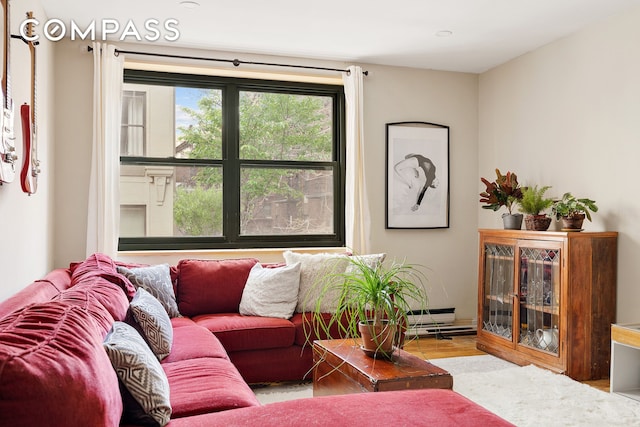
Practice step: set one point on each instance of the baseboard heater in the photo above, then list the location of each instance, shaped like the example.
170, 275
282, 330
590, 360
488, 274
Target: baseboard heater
437, 321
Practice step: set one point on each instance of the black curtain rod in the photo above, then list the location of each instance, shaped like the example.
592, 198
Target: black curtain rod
235, 62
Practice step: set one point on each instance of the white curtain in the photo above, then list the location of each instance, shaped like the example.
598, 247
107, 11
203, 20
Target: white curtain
104, 209
357, 216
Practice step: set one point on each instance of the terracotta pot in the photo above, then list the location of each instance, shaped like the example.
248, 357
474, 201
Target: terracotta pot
512, 222
377, 339
573, 222
537, 222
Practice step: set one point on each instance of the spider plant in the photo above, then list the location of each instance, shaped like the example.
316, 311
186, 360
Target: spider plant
374, 297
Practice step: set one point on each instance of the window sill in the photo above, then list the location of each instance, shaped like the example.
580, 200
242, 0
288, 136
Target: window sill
172, 257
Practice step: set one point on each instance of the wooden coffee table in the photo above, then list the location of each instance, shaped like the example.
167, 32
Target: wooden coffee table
341, 367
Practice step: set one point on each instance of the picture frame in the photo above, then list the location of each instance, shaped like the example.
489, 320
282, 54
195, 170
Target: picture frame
417, 175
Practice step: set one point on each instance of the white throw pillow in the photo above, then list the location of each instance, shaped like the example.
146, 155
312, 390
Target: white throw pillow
315, 269
271, 292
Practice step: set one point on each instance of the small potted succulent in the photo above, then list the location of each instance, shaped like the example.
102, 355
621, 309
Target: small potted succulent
533, 204
504, 191
572, 211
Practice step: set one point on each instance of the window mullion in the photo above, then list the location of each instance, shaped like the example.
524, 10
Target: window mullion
231, 162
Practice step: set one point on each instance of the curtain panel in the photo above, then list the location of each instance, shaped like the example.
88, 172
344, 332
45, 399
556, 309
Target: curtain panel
104, 209
357, 215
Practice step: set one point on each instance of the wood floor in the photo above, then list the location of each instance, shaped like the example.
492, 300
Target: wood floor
462, 345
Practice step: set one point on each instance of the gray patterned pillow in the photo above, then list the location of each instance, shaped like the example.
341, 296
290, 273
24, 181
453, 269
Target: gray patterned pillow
154, 321
157, 281
139, 371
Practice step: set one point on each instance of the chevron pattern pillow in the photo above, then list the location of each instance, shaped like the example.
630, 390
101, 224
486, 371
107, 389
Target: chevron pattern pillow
139, 370
156, 280
154, 322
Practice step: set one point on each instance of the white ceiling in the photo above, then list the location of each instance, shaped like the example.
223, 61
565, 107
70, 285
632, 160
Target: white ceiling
486, 33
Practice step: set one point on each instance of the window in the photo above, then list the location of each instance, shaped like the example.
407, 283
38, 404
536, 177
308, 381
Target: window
218, 162
132, 138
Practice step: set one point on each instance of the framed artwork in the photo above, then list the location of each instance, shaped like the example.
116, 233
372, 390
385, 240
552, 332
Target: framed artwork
417, 175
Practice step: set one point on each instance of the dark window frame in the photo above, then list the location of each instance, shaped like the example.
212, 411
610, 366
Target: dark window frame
232, 164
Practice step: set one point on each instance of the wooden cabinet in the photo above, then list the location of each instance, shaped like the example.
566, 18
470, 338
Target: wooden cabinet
548, 298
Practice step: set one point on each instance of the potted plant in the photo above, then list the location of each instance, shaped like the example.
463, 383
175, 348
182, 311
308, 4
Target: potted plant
533, 204
374, 302
504, 191
572, 211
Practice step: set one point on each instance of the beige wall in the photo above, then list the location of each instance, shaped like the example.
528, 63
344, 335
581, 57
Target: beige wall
394, 94
391, 94
26, 225
73, 134
568, 115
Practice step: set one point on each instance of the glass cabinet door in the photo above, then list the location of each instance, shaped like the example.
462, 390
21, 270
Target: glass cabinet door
498, 290
539, 280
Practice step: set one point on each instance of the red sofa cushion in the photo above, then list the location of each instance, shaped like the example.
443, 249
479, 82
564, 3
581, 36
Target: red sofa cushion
192, 342
306, 333
100, 265
102, 299
205, 385
212, 286
275, 364
178, 322
54, 369
237, 332
429, 407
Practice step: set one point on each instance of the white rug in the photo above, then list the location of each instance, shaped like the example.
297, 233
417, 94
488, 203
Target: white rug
281, 392
464, 365
525, 396
530, 396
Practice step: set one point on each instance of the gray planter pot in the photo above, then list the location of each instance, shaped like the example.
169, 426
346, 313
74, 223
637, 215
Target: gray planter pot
512, 222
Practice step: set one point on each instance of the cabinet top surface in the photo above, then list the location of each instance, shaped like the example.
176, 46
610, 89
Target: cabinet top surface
402, 365
529, 234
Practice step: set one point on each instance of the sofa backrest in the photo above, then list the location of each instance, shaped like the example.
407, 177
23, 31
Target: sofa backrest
211, 286
54, 369
39, 291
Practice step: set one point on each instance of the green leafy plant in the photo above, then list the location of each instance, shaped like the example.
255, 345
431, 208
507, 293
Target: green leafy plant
570, 206
533, 201
504, 191
369, 292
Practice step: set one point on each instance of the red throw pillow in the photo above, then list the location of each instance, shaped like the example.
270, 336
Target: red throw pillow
55, 370
100, 265
212, 286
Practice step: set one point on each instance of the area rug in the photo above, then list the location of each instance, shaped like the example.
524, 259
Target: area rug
468, 364
525, 396
531, 396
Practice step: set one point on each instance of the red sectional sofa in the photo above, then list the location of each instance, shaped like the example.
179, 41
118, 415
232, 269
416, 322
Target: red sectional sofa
54, 369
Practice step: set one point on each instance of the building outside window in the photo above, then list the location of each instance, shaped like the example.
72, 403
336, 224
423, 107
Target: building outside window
212, 162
